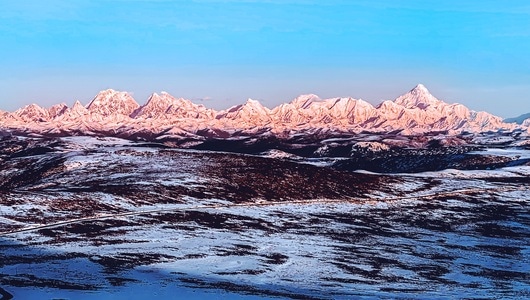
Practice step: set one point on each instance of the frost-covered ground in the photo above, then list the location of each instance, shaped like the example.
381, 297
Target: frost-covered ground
86, 218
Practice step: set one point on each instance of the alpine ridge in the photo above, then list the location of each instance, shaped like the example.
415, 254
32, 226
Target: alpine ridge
163, 116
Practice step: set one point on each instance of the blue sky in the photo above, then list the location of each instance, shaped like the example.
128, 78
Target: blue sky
222, 52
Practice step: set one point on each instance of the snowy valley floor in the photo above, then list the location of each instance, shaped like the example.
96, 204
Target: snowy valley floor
87, 218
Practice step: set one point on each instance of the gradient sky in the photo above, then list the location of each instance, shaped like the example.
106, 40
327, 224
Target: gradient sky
222, 52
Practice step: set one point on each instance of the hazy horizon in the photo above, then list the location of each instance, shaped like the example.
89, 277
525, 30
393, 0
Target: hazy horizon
222, 52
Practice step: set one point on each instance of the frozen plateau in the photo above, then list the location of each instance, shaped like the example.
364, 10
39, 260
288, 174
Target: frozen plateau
336, 198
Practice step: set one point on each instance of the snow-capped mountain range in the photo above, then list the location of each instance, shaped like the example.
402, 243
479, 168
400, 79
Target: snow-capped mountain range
164, 116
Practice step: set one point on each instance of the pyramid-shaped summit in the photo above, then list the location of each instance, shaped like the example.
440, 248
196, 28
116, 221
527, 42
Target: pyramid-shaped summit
32, 113
157, 105
418, 97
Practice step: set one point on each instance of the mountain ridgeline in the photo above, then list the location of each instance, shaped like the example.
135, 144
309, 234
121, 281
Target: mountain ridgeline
164, 117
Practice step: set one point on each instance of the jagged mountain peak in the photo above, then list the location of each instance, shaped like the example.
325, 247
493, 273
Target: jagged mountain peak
32, 113
345, 105
78, 105
30, 108
251, 113
249, 105
57, 110
165, 106
62, 104
420, 88
387, 104
156, 106
304, 101
108, 91
110, 102
155, 97
106, 95
254, 104
77, 110
161, 94
418, 97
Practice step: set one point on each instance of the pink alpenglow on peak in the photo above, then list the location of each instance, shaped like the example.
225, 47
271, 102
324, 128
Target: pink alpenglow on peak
304, 101
418, 97
75, 113
250, 114
57, 110
117, 113
110, 102
32, 113
157, 105
165, 106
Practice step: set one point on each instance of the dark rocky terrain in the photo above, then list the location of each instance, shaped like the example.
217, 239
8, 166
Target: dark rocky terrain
107, 217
